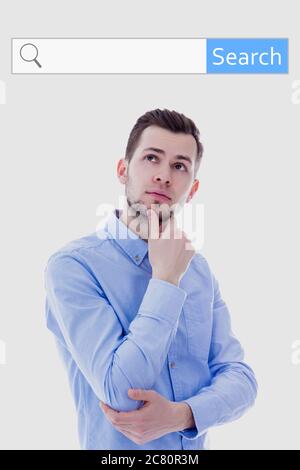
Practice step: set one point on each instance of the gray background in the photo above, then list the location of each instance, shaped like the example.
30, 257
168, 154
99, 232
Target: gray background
60, 139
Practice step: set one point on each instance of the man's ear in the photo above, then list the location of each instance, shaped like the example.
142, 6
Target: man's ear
194, 189
122, 169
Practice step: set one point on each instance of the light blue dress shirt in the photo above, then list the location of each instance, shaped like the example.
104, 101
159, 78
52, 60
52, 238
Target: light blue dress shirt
117, 328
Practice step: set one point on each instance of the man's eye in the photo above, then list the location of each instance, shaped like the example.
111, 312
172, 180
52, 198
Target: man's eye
181, 166
151, 156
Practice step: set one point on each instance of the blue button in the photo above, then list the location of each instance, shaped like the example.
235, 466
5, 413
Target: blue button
247, 55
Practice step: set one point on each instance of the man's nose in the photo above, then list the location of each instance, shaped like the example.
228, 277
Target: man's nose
163, 178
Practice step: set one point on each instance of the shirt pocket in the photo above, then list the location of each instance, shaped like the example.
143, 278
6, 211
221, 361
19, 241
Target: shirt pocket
198, 320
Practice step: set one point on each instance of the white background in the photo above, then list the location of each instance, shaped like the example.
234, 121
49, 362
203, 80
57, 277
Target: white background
60, 139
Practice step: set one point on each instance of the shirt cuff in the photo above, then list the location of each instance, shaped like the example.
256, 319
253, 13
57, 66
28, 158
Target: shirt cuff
205, 412
163, 300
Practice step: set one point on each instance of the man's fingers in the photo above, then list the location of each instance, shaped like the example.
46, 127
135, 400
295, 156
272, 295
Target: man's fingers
127, 418
167, 227
153, 224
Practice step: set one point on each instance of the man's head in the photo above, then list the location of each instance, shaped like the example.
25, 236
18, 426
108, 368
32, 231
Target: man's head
163, 155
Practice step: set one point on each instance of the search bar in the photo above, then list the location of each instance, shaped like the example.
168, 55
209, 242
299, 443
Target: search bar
108, 56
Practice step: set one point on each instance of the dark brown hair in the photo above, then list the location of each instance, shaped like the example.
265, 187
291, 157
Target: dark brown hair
170, 120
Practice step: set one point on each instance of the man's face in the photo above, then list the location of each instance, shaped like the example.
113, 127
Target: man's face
157, 165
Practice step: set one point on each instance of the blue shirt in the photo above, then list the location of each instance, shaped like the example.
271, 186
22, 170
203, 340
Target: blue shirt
117, 328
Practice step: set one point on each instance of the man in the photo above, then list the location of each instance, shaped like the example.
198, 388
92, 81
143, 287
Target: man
138, 315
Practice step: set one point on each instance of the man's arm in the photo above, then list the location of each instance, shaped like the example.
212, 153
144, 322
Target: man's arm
87, 325
233, 388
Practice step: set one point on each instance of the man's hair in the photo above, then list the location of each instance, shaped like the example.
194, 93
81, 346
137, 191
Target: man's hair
170, 120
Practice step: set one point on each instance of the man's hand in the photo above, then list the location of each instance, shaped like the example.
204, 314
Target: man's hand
157, 417
170, 252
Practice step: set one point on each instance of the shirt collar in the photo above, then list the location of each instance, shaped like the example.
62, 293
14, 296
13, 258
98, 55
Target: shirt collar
128, 240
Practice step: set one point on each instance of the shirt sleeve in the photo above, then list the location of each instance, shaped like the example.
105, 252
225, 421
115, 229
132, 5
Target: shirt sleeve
233, 387
80, 315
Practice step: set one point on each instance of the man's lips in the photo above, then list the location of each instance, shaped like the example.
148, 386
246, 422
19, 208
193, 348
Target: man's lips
159, 195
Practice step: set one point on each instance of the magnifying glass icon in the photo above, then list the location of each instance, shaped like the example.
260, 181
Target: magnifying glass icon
29, 53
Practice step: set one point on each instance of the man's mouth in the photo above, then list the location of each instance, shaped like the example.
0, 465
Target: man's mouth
161, 196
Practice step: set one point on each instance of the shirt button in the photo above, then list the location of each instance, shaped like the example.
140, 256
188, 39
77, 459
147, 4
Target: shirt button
172, 365
137, 257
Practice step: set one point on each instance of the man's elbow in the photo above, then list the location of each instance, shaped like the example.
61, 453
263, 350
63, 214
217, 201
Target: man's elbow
115, 391
251, 382
254, 388
246, 378
119, 402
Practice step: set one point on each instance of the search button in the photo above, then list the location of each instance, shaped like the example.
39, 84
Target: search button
29, 53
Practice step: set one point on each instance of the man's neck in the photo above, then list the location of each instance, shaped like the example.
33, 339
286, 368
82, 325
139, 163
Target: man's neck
138, 225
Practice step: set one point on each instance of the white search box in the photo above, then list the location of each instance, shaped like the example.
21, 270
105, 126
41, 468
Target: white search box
108, 56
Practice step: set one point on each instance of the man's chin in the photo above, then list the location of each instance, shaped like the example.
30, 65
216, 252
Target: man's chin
162, 209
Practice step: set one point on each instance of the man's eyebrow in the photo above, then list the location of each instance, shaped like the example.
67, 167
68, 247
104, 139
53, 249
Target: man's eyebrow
179, 157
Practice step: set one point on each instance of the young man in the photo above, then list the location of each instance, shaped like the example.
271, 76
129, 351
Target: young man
138, 315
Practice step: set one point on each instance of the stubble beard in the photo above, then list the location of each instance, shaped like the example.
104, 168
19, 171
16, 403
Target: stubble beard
137, 217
